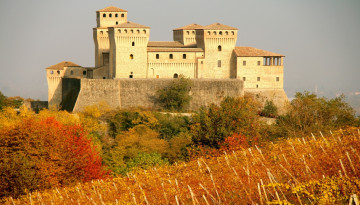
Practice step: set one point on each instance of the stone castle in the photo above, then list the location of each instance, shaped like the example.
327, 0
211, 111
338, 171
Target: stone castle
129, 68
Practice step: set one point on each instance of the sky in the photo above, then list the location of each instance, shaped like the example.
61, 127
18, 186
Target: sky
320, 39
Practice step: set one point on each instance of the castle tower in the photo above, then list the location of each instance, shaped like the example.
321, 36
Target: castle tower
186, 34
128, 50
218, 41
107, 17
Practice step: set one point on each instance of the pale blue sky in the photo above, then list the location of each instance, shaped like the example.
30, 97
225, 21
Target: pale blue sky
320, 38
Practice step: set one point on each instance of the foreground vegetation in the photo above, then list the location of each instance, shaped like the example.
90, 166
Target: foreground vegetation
318, 169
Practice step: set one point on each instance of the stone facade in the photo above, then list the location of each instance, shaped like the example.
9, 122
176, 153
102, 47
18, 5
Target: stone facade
123, 51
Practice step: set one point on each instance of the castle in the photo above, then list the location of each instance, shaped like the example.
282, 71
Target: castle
126, 61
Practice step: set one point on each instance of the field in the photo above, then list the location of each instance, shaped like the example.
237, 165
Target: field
314, 170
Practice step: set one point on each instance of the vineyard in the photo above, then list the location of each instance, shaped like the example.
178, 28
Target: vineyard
318, 169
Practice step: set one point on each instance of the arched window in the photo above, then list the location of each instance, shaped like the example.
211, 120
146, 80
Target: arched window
209, 33
117, 23
131, 56
116, 15
187, 32
220, 32
133, 43
176, 75
122, 15
219, 48
232, 32
131, 75
51, 72
193, 32
58, 72
214, 32
104, 15
138, 31
226, 33
132, 31
110, 15
144, 31
101, 32
125, 30
119, 31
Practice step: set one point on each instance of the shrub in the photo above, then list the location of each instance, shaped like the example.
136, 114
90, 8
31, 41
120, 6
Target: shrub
269, 110
175, 97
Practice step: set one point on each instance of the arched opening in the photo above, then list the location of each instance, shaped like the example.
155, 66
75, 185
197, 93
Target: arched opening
116, 15
219, 48
104, 15
125, 30
176, 75
58, 72
184, 56
84, 72
171, 56
131, 56
232, 32
157, 56
133, 43
122, 15
144, 31
214, 32
220, 32
117, 23
110, 15
101, 32
209, 33
131, 75
226, 33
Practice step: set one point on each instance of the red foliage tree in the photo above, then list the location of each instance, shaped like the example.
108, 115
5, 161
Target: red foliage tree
39, 154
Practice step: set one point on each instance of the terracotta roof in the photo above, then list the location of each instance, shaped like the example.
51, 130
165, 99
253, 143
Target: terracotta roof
60, 66
218, 26
169, 44
253, 52
189, 27
111, 9
157, 49
130, 25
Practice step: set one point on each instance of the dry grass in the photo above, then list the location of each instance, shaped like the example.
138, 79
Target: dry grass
319, 169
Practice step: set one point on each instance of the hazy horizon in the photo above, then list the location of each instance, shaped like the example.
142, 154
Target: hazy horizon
320, 39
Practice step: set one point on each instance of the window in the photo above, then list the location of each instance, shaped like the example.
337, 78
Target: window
138, 31
193, 32
101, 32
259, 62
51, 72
133, 43
125, 30
144, 31
266, 61
226, 33
277, 79
132, 31
244, 63
157, 56
244, 78
209, 33
110, 15
58, 72
119, 31
220, 32
104, 15
104, 77
219, 48
171, 56
84, 72
72, 72
202, 62
214, 32
176, 75
219, 63
184, 56
187, 32
122, 15
131, 75
117, 23
258, 78
232, 32
131, 56
116, 15
257, 86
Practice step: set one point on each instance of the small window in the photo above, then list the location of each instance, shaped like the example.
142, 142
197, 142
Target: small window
209, 33
132, 31
259, 62
84, 72
116, 15
101, 32
157, 56
119, 31
220, 32
125, 30
232, 32
104, 77
187, 32
244, 78
51, 72
277, 79
202, 62
133, 43
138, 31
184, 56
171, 56
219, 48
176, 75
244, 63
58, 72
258, 78
257, 86
72, 72
144, 31
117, 23
131, 56
193, 32
131, 75
219, 63
214, 32
122, 15
104, 15
226, 33
110, 15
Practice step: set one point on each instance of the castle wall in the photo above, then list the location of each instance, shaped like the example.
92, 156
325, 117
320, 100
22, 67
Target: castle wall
127, 93
278, 96
258, 75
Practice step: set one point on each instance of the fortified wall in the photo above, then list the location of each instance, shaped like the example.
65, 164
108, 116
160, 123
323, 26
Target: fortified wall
128, 93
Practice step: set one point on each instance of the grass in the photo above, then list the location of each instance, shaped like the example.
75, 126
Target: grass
320, 169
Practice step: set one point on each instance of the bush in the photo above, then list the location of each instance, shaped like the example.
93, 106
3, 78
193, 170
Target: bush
269, 110
175, 97
40, 154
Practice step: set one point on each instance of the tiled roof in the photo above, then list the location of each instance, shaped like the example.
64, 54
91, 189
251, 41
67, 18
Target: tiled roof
253, 52
111, 9
218, 26
171, 44
60, 66
158, 49
190, 27
130, 25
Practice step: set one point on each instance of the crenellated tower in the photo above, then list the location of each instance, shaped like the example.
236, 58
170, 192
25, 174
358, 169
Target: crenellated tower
186, 34
128, 50
218, 41
105, 18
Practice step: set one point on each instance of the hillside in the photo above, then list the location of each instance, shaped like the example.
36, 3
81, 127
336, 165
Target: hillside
317, 169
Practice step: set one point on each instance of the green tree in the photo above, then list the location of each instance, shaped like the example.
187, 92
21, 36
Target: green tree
269, 110
234, 115
2, 100
176, 96
309, 113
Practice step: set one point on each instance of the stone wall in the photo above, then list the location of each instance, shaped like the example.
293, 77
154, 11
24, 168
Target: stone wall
127, 93
278, 96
